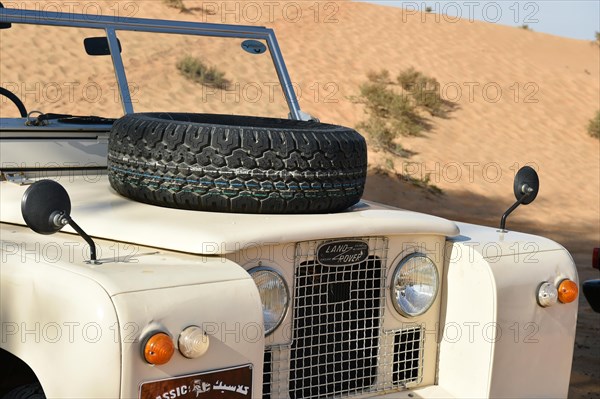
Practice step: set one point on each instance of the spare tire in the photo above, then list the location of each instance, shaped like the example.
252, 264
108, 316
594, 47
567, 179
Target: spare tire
227, 163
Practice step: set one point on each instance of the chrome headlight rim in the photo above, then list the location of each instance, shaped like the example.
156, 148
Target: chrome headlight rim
397, 270
280, 276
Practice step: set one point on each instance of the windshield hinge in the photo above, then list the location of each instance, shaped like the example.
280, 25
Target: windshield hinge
16, 178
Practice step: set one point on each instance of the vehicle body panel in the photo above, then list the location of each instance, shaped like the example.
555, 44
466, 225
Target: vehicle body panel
514, 347
97, 207
230, 312
77, 311
56, 319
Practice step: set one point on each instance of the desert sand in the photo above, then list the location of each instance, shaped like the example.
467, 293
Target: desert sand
522, 97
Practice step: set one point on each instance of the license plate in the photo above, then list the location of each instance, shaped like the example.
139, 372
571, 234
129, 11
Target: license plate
232, 383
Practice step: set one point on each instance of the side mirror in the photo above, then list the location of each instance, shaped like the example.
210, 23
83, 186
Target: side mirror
46, 208
526, 187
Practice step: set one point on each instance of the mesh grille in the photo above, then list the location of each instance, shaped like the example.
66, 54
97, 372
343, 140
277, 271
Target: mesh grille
338, 348
408, 350
336, 329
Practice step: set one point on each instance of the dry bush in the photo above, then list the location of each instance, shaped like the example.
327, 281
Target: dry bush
194, 69
594, 126
178, 4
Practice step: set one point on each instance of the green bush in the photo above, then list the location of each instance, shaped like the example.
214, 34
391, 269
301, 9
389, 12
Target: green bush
194, 69
594, 126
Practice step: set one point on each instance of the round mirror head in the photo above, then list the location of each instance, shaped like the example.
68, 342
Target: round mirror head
41, 203
527, 184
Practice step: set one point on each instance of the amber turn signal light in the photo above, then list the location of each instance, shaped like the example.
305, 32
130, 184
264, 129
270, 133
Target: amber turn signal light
159, 349
567, 291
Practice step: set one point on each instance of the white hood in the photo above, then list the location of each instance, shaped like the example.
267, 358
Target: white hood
103, 213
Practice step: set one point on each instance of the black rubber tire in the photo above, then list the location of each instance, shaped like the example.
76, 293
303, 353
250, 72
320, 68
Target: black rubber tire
227, 163
29, 391
591, 290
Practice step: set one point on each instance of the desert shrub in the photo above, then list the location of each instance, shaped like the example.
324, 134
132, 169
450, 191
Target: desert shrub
425, 91
597, 38
178, 4
594, 126
382, 134
389, 164
408, 78
423, 182
428, 9
525, 27
391, 115
382, 76
395, 112
194, 69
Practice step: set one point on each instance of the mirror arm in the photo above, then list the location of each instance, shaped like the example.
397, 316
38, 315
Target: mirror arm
83, 234
512, 208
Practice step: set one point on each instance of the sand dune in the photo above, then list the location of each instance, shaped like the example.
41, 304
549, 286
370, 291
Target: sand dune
522, 97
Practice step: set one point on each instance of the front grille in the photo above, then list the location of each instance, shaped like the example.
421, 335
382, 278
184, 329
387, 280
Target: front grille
338, 347
408, 350
400, 364
337, 313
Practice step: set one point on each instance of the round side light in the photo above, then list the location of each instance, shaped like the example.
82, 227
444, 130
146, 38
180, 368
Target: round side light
547, 294
193, 342
158, 349
567, 291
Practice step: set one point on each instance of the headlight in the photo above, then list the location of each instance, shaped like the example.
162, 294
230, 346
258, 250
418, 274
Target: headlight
273, 295
414, 285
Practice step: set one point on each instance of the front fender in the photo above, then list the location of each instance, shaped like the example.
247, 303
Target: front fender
62, 324
497, 341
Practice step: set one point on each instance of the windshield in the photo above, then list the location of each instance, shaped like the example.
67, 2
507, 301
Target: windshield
48, 77
172, 72
181, 73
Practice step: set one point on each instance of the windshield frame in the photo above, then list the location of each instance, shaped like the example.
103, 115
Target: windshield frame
112, 24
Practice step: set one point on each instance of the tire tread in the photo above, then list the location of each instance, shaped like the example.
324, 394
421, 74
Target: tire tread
162, 160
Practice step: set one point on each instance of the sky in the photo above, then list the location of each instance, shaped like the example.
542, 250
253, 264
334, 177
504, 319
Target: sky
578, 19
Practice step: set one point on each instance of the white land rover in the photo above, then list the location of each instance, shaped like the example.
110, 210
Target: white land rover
221, 256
